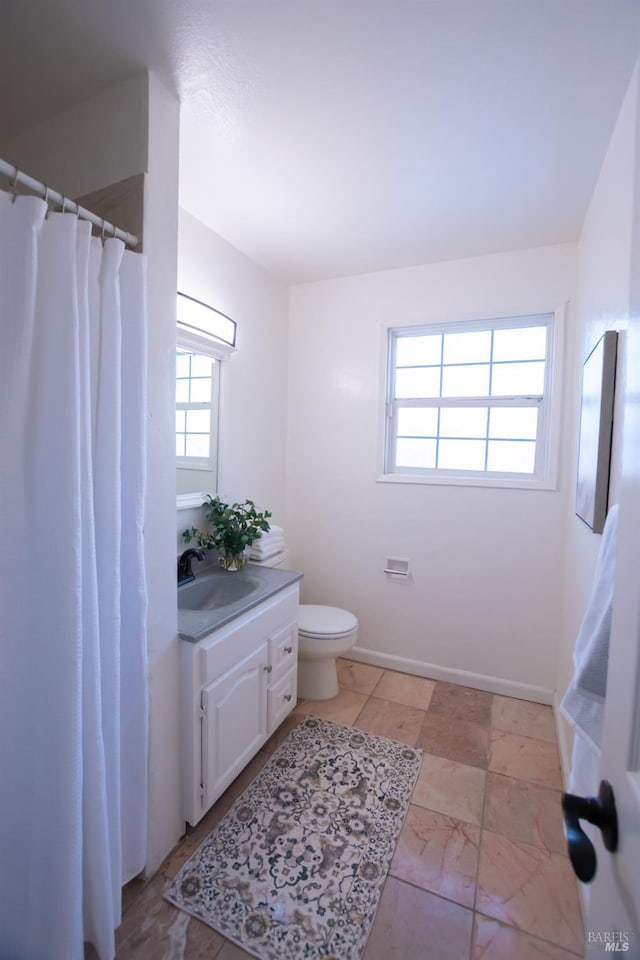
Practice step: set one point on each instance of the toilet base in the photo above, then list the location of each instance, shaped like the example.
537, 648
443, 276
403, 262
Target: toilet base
317, 679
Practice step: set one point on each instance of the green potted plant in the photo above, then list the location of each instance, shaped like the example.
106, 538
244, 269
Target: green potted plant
234, 527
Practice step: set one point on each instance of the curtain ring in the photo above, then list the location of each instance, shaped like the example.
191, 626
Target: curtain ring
46, 200
13, 184
102, 237
64, 204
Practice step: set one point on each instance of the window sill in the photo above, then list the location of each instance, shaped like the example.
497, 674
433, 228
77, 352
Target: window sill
187, 501
470, 480
182, 464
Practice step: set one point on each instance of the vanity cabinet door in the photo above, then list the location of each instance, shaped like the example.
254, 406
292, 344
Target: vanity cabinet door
234, 722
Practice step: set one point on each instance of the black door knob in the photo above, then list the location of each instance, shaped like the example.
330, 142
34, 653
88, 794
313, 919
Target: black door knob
601, 812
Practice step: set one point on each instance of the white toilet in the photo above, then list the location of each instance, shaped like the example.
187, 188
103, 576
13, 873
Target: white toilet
324, 633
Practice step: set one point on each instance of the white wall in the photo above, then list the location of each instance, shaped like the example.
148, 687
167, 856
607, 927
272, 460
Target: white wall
483, 605
253, 381
92, 145
604, 272
166, 822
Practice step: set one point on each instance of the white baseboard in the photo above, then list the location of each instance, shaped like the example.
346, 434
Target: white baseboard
564, 746
479, 681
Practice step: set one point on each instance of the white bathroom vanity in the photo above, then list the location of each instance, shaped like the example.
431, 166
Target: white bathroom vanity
238, 678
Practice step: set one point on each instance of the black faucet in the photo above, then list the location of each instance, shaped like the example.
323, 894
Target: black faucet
185, 573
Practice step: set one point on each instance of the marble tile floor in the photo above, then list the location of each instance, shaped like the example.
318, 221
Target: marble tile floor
480, 871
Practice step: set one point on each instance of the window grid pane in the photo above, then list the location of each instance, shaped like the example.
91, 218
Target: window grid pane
414, 382
470, 347
520, 343
417, 422
198, 421
471, 380
421, 351
413, 452
197, 445
525, 378
491, 367
513, 423
463, 422
183, 361
182, 391
461, 454
511, 456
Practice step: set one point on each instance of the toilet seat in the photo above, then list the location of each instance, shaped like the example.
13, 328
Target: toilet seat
318, 621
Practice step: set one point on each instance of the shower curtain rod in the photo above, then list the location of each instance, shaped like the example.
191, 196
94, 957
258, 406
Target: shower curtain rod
16, 176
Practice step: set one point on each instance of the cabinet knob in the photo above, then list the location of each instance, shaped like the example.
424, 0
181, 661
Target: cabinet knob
268, 668
288, 697
288, 649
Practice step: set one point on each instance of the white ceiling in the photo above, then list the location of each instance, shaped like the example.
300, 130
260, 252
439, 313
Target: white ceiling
329, 137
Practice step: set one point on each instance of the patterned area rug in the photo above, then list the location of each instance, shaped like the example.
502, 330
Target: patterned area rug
295, 869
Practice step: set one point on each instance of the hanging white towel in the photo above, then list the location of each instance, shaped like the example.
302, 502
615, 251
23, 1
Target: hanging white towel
583, 702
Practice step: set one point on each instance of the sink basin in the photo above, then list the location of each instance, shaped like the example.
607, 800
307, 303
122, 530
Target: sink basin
217, 591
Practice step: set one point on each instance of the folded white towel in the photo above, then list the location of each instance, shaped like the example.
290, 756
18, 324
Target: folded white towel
583, 702
263, 548
266, 541
268, 538
273, 531
266, 554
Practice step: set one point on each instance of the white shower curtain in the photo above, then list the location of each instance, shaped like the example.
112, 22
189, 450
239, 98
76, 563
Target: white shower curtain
73, 677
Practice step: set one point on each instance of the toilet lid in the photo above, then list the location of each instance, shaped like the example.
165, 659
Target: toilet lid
316, 619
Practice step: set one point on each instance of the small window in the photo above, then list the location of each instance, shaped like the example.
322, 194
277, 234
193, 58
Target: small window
196, 410
205, 337
469, 402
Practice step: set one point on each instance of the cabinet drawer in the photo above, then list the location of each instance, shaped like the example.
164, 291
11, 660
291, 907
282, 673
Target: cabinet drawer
281, 698
283, 649
228, 647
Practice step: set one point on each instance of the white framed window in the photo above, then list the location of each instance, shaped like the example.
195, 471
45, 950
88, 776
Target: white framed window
197, 379
205, 337
472, 402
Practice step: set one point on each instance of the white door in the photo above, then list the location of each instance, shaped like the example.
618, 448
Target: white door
614, 912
